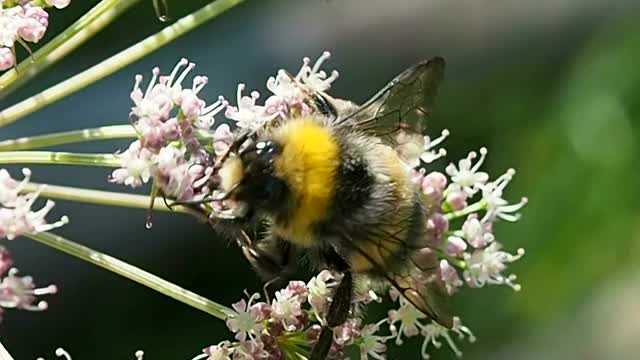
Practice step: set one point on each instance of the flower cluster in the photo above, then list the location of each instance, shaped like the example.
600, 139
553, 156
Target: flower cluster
167, 117
467, 193
170, 119
16, 216
291, 323
22, 22
464, 204
19, 292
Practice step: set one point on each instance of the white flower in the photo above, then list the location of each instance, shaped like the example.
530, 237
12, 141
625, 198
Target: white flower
372, 344
222, 351
485, 266
409, 317
16, 216
172, 172
315, 78
206, 118
433, 331
156, 102
450, 277
414, 147
285, 309
59, 4
246, 320
247, 114
320, 291
284, 89
497, 207
20, 292
136, 166
476, 233
11, 20
429, 153
466, 175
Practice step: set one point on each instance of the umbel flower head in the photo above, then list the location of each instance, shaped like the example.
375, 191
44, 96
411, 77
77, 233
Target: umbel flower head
19, 292
23, 22
16, 214
181, 137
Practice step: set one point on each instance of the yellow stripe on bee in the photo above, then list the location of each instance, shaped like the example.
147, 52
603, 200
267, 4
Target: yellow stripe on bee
308, 163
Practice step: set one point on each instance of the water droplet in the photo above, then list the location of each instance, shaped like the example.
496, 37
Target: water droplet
148, 224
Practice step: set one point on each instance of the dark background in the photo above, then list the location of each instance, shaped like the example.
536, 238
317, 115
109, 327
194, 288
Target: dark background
551, 87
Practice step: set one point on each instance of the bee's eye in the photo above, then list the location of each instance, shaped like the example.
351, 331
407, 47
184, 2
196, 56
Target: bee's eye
260, 186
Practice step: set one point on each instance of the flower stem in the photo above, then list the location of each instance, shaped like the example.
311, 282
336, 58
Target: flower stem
4, 354
480, 205
98, 197
115, 62
59, 158
75, 35
69, 137
132, 273
77, 136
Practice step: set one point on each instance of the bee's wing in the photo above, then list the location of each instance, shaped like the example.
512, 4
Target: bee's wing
422, 285
419, 280
403, 104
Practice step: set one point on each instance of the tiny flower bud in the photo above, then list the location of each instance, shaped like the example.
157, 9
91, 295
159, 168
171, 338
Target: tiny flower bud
7, 60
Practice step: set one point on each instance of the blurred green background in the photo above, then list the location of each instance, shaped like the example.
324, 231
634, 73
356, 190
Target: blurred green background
551, 87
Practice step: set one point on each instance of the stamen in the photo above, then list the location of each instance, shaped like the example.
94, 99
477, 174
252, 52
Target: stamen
325, 55
156, 73
241, 87
199, 83
60, 352
483, 154
136, 86
184, 74
305, 69
179, 65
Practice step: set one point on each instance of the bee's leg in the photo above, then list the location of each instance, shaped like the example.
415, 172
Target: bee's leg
339, 308
270, 257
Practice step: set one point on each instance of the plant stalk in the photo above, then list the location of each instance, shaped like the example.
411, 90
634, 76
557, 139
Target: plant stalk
75, 35
78, 136
116, 62
133, 273
58, 158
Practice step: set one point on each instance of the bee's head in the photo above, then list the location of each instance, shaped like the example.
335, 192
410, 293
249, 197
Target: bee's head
248, 178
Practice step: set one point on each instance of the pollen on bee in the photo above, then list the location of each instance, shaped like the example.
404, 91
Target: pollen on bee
231, 173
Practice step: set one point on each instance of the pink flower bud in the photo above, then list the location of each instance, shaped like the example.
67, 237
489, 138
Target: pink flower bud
7, 60
457, 200
34, 25
455, 246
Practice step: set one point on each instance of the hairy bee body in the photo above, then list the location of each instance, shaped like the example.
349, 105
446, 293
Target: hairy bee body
334, 186
348, 191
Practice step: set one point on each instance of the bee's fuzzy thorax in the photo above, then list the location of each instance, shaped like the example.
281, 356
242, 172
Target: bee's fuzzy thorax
308, 163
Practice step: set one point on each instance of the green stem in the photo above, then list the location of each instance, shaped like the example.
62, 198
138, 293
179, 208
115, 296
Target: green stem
69, 137
59, 158
132, 273
480, 205
115, 62
98, 197
75, 35
4, 354
77, 136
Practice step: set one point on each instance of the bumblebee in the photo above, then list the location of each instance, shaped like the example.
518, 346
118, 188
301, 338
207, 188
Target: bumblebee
335, 187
